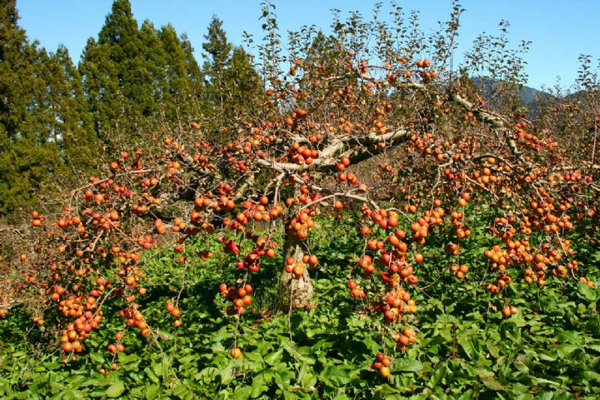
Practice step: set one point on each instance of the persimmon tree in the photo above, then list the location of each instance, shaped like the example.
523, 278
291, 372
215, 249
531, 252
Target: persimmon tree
371, 127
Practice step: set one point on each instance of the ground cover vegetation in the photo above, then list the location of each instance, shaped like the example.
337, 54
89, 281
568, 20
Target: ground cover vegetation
345, 216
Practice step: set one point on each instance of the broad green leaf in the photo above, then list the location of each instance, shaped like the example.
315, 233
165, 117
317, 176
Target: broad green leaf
258, 386
464, 341
115, 390
97, 358
586, 291
152, 392
151, 375
242, 393
335, 374
491, 383
274, 357
406, 365
439, 374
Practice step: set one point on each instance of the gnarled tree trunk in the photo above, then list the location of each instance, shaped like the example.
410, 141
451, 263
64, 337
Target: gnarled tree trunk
300, 290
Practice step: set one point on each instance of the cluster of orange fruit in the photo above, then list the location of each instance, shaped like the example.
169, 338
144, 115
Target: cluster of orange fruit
355, 291
174, 312
240, 297
79, 330
395, 304
135, 318
382, 364
405, 338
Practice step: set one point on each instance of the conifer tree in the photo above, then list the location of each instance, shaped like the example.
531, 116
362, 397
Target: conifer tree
218, 58
153, 74
70, 120
243, 82
177, 94
194, 72
115, 75
231, 80
29, 153
101, 88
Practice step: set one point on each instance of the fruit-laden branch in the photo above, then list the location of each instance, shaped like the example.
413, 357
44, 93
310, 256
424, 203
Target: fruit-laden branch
488, 117
332, 194
576, 167
329, 156
495, 121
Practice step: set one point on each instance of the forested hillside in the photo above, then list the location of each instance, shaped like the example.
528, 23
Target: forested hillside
58, 120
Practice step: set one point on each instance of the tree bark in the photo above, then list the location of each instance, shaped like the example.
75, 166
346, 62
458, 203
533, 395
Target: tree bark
300, 291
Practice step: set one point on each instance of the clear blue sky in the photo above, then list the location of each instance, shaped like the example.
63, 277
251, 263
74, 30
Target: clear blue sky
560, 30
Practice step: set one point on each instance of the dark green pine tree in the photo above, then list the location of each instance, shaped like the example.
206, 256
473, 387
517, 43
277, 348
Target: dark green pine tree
29, 153
101, 89
232, 83
115, 78
218, 56
68, 117
194, 72
244, 84
121, 36
154, 73
178, 100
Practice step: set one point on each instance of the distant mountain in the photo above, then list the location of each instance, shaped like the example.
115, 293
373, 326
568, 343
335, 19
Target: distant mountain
528, 94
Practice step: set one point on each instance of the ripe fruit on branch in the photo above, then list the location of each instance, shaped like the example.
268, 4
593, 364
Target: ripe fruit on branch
235, 352
382, 364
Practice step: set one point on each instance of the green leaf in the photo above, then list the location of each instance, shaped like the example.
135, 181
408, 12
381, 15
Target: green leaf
537, 381
115, 389
438, 375
289, 395
407, 365
546, 396
546, 357
181, 390
258, 386
151, 375
492, 384
243, 393
464, 341
594, 347
97, 358
493, 349
296, 321
273, 358
586, 292
468, 395
563, 350
151, 392
336, 375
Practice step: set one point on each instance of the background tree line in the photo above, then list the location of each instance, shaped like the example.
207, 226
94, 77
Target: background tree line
58, 119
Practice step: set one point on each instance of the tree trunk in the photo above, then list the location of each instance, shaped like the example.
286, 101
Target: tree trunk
300, 290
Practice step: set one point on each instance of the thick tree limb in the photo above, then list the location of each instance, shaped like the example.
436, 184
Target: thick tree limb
330, 155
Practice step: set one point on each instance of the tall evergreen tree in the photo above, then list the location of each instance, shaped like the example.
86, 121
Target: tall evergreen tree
194, 72
115, 76
178, 95
230, 78
101, 88
151, 94
218, 57
29, 152
243, 82
70, 122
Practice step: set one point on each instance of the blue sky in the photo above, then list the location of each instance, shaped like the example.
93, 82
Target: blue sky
559, 30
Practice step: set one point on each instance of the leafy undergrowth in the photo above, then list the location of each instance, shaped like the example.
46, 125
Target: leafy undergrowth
465, 348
